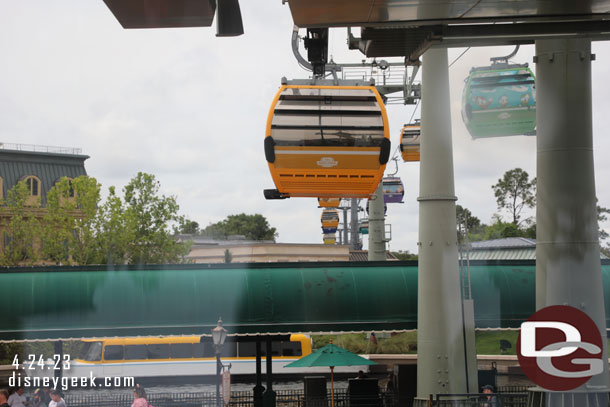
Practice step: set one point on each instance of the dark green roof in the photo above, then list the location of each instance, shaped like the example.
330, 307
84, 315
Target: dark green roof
48, 167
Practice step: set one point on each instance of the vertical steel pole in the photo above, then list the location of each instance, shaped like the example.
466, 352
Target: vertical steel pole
568, 269
345, 227
441, 364
218, 378
269, 398
355, 239
59, 350
258, 389
377, 227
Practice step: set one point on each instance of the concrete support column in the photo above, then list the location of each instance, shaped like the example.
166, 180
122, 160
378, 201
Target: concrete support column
441, 365
377, 227
568, 270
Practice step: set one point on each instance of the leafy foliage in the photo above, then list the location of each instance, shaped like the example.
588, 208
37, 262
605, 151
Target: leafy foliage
44, 348
59, 223
466, 222
404, 255
150, 216
76, 228
253, 227
114, 231
187, 227
602, 216
21, 226
515, 192
405, 342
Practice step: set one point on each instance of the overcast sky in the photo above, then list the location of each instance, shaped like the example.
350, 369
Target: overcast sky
191, 109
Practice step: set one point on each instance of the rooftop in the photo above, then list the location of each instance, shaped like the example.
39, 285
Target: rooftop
40, 149
510, 248
363, 255
505, 243
199, 240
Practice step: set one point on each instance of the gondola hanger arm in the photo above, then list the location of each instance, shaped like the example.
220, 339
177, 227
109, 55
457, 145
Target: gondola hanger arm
504, 59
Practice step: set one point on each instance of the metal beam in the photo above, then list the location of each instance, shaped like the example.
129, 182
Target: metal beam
412, 42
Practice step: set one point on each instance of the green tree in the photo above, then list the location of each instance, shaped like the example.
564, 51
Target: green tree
465, 220
253, 227
464, 216
114, 231
602, 216
86, 191
530, 231
151, 215
187, 227
499, 229
404, 255
58, 223
21, 227
514, 192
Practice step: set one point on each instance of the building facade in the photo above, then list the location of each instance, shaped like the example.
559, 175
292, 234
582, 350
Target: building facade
40, 167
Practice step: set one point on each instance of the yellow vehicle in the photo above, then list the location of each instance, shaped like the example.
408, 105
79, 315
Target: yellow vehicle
178, 356
326, 141
409, 141
329, 202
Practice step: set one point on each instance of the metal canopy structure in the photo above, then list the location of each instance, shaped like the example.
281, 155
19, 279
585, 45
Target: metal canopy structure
163, 13
402, 27
409, 28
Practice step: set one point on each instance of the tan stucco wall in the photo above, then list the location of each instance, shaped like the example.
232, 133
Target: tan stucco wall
269, 253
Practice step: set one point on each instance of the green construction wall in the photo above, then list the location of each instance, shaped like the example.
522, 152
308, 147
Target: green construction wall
75, 302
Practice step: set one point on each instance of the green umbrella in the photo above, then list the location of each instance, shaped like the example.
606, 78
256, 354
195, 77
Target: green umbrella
331, 356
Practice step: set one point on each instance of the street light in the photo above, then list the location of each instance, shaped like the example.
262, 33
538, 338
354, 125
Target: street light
219, 334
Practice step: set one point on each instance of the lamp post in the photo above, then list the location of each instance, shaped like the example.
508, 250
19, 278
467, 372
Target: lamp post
219, 334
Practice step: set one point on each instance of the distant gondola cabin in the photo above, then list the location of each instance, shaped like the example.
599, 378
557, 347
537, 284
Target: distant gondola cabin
326, 141
329, 238
393, 190
363, 226
329, 230
330, 218
500, 100
329, 202
409, 142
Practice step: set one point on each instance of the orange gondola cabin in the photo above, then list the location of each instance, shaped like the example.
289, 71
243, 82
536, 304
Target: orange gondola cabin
409, 142
329, 202
326, 141
330, 218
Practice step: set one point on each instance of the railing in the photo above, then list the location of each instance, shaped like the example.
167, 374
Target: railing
40, 149
392, 79
479, 400
295, 398
513, 389
284, 398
